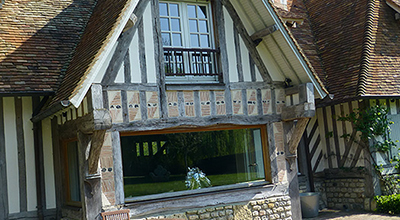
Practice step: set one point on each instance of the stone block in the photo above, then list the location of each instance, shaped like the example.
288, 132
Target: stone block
271, 205
221, 213
257, 207
262, 212
205, 215
289, 213
260, 202
219, 208
269, 211
272, 200
253, 203
229, 211
287, 208
229, 207
214, 214
230, 217
265, 206
193, 217
264, 218
210, 209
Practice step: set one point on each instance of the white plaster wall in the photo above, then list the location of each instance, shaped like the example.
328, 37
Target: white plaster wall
10, 134
245, 60
120, 76
134, 59
29, 154
149, 45
48, 164
230, 47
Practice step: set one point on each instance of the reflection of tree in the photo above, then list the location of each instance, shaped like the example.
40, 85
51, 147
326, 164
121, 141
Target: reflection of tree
186, 143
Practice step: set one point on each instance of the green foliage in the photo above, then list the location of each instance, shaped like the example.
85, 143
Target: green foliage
372, 123
388, 204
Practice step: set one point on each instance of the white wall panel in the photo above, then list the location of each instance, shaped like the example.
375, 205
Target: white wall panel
48, 164
149, 45
134, 59
230, 47
10, 134
29, 154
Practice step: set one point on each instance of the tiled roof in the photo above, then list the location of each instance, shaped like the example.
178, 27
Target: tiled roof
307, 49
103, 21
383, 77
37, 42
303, 34
357, 43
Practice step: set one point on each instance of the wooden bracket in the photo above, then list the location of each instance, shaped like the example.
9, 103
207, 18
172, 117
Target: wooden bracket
264, 32
297, 134
95, 150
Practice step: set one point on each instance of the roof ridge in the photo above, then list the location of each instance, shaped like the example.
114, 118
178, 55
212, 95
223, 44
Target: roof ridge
368, 44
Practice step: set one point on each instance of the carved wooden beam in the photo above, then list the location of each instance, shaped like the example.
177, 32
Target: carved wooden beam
97, 140
247, 41
265, 32
297, 134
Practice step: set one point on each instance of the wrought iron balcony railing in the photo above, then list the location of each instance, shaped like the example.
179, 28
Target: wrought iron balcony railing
191, 62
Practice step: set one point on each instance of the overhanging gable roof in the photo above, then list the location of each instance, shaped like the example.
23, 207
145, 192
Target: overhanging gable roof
101, 34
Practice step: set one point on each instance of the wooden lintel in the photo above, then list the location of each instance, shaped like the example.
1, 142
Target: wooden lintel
294, 112
251, 47
264, 32
95, 149
297, 134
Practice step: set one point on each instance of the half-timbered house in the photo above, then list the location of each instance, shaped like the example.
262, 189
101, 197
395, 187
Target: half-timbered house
110, 105
354, 48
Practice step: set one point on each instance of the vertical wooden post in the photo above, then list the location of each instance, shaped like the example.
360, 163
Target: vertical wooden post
90, 185
291, 169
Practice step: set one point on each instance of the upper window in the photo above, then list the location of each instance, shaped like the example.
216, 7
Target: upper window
187, 39
171, 162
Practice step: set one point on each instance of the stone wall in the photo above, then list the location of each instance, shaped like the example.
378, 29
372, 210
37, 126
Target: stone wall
274, 208
342, 189
345, 193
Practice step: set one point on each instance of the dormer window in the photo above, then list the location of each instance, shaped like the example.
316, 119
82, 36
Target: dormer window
187, 38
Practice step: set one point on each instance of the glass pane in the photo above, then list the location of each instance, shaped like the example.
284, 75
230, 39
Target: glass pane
191, 11
73, 172
203, 26
221, 157
194, 40
177, 40
164, 24
201, 11
193, 26
174, 10
166, 39
163, 9
175, 24
204, 41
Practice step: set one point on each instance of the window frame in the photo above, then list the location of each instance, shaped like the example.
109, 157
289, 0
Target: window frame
214, 76
265, 151
68, 201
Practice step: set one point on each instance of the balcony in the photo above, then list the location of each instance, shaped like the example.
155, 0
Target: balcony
188, 65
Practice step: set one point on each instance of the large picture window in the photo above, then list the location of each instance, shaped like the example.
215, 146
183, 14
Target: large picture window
186, 34
160, 163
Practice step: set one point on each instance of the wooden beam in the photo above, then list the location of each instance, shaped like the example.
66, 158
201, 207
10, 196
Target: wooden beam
264, 32
247, 41
297, 134
294, 112
95, 150
99, 119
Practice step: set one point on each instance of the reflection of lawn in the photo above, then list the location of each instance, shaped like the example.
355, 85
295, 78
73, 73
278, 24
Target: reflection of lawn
178, 184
